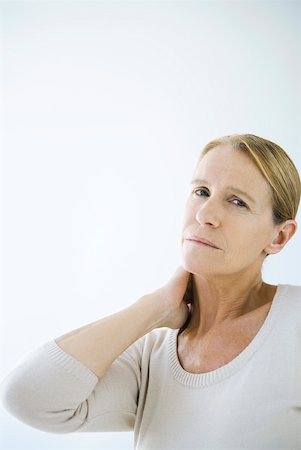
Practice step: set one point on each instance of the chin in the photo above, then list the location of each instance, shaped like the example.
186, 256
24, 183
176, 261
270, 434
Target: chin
195, 266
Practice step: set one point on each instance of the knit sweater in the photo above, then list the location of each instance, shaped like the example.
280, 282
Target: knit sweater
251, 403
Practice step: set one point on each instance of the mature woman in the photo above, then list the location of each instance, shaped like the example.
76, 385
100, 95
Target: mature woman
211, 360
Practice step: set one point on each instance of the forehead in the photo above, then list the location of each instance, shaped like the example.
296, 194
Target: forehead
226, 162
225, 166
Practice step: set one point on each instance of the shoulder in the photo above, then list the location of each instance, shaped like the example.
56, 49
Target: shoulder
291, 292
158, 336
155, 338
150, 343
289, 299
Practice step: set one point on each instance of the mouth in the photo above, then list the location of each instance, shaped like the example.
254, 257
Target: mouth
202, 242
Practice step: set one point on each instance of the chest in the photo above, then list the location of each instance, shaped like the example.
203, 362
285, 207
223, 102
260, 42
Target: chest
185, 411
208, 357
217, 348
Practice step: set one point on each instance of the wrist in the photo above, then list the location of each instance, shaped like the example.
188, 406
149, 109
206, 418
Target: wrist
152, 315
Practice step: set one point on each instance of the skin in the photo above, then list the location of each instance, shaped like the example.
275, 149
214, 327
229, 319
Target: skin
230, 298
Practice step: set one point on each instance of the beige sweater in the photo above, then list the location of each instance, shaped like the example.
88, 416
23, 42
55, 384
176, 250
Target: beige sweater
251, 403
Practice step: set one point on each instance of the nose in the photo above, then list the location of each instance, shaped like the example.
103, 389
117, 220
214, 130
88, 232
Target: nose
208, 213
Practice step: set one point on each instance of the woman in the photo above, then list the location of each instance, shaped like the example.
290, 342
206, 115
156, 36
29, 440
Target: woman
212, 359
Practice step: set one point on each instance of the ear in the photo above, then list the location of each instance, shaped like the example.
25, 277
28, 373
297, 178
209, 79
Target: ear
283, 233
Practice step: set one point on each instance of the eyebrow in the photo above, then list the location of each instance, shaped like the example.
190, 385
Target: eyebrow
234, 189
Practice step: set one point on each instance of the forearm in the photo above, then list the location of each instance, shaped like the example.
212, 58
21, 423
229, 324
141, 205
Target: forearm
57, 387
99, 343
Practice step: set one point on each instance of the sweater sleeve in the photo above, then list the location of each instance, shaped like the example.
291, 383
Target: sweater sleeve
52, 391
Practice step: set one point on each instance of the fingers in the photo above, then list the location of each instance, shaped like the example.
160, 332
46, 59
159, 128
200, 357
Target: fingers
183, 280
181, 272
188, 296
181, 269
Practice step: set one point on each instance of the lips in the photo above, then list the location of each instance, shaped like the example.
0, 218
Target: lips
202, 240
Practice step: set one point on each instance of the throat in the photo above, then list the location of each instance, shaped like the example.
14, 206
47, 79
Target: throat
221, 344
229, 315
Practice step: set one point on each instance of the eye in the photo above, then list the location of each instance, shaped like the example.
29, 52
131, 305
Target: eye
242, 204
199, 189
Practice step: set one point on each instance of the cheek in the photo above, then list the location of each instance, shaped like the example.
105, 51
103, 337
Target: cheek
252, 238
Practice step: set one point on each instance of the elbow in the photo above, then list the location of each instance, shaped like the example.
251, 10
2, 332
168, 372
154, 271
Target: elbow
22, 403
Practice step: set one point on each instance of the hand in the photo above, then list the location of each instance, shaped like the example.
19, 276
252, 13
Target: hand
175, 299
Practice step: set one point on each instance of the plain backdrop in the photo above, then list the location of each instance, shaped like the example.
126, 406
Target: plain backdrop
106, 106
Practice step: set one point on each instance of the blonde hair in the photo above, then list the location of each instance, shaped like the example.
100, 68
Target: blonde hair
275, 165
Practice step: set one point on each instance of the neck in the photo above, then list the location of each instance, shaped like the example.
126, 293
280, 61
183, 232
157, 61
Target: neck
217, 303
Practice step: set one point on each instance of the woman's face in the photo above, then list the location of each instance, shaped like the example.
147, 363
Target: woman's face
241, 227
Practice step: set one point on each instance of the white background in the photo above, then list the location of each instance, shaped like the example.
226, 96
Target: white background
105, 108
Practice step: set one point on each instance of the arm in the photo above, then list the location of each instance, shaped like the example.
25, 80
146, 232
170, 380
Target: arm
114, 334
81, 382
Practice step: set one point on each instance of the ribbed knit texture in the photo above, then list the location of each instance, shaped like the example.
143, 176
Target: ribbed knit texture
251, 403
70, 364
220, 374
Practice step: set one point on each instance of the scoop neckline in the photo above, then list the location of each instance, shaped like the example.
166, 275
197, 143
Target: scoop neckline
199, 380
